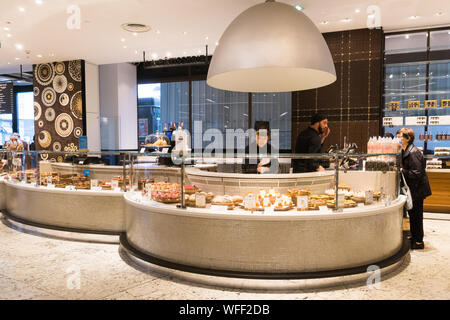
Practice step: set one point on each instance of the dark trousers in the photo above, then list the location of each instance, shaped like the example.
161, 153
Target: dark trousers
416, 220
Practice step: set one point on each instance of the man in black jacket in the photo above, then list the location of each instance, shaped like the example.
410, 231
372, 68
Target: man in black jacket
311, 140
413, 168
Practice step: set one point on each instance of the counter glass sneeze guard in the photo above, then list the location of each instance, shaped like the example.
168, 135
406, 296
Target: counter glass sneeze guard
203, 190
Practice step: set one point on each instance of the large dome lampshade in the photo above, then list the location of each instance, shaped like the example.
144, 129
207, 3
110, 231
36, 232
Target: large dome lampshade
271, 47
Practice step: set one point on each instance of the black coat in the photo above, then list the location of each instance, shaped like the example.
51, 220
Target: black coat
413, 167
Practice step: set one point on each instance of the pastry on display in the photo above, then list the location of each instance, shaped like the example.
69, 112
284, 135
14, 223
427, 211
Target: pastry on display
237, 199
222, 200
344, 186
359, 197
191, 189
299, 192
173, 196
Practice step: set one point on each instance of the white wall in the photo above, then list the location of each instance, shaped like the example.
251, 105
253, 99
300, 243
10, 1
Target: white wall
118, 106
127, 111
92, 107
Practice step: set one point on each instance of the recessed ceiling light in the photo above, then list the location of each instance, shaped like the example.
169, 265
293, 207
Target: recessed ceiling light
346, 20
123, 39
414, 17
6, 28
407, 36
18, 46
217, 43
449, 32
135, 52
439, 13
324, 22
136, 27
9, 35
39, 56
206, 38
168, 54
185, 33
158, 32
154, 56
298, 7
51, 54
21, 9
124, 47
9, 62
135, 34
357, 11
38, 1
17, 58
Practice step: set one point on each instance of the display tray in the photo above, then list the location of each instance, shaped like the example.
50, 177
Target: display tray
212, 210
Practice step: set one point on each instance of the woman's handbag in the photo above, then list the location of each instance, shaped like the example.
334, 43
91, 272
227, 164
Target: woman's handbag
405, 190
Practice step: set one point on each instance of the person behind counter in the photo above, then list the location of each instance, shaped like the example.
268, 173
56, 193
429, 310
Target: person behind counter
263, 147
311, 140
14, 143
413, 169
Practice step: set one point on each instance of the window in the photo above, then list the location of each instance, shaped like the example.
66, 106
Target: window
25, 112
219, 109
275, 108
175, 103
149, 110
5, 127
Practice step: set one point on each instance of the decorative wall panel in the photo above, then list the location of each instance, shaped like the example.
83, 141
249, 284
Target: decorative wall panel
59, 105
353, 102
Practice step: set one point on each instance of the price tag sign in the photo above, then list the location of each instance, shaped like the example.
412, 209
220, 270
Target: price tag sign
165, 150
94, 183
96, 188
114, 184
142, 150
323, 208
341, 200
51, 186
200, 201
70, 188
302, 202
369, 197
250, 202
49, 180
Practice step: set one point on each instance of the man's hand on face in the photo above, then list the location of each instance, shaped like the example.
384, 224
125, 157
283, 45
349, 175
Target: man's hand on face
325, 134
320, 168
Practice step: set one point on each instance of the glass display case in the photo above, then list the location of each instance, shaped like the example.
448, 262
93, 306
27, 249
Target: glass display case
417, 88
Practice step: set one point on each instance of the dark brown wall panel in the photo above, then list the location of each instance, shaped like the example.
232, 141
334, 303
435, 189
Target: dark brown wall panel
352, 103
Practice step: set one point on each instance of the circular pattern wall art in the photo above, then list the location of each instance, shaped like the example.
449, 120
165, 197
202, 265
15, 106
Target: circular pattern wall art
40, 123
64, 125
37, 111
76, 105
64, 99
75, 70
36, 91
60, 83
44, 139
44, 73
78, 132
60, 67
44, 156
70, 86
50, 114
57, 146
48, 96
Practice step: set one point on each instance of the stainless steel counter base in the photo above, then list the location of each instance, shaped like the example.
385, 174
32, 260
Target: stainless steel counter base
279, 243
2, 195
82, 210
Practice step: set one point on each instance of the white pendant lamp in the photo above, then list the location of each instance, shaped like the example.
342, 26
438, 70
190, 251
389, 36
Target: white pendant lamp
271, 47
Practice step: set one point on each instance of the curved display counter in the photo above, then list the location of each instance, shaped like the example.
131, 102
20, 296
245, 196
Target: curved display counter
2, 194
77, 210
290, 242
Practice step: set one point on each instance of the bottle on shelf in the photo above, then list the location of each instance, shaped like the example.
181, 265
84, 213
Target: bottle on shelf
438, 136
421, 136
430, 136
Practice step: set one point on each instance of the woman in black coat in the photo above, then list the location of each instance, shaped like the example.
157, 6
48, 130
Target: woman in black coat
413, 168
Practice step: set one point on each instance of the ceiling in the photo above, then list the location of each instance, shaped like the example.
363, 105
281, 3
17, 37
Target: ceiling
179, 27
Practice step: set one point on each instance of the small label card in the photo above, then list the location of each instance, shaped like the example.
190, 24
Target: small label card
96, 188
49, 180
50, 185
114, 184
94, 183
70, 188
250, 202
445, 103
302, 202
369, 197
200, 201
323, 208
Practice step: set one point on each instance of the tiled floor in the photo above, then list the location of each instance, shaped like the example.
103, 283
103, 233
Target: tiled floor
36, 267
